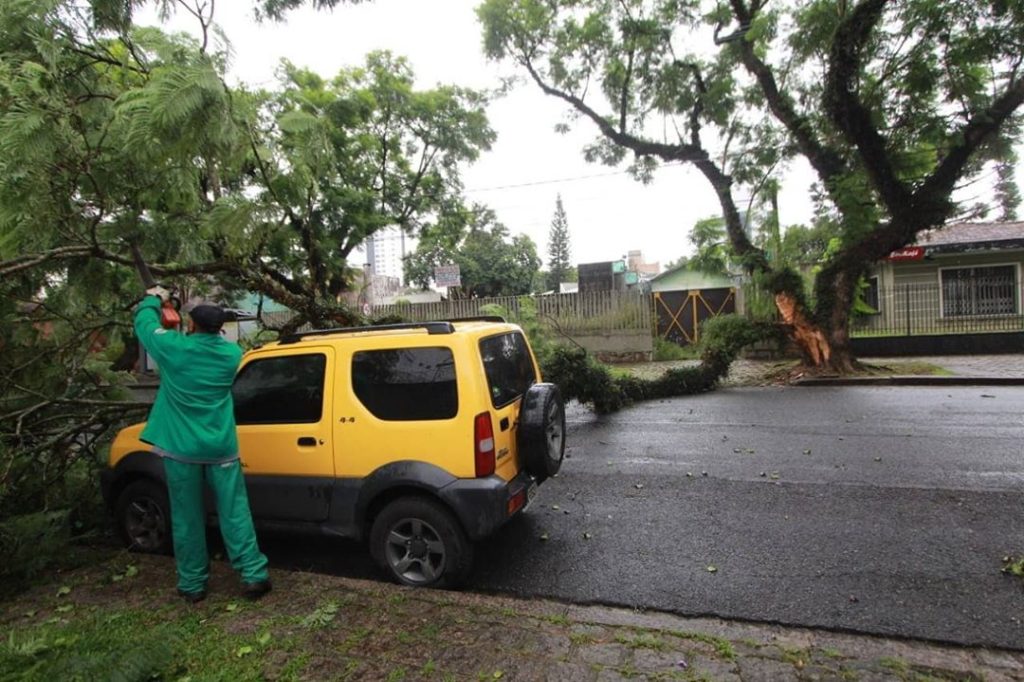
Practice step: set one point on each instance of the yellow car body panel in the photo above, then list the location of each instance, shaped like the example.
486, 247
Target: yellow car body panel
349, 440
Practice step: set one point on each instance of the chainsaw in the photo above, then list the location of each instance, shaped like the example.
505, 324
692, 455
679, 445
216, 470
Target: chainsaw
169, 317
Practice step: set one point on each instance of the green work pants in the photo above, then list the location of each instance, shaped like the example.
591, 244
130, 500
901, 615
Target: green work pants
188, 522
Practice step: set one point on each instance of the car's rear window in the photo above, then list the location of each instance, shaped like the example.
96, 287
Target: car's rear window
406, 384
508, 366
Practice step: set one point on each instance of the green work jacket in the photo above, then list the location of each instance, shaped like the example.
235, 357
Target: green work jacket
194, 414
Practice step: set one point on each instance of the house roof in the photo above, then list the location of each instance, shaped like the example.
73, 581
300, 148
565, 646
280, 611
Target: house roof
682, 276
972, 233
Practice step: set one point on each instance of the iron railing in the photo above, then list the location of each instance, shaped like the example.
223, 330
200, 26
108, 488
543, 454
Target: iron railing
599, 311
957, 306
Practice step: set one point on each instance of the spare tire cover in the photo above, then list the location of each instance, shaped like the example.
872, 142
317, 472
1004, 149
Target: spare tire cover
541, 432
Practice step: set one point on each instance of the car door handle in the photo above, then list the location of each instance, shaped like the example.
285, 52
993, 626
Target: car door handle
307, 440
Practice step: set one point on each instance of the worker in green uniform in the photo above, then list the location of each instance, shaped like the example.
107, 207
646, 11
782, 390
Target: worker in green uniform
192, 428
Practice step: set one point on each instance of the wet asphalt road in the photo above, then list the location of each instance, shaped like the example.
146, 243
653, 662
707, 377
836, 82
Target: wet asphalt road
882, 510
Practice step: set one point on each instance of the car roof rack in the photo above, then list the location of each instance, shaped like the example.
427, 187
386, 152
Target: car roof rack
477, 318
439, 327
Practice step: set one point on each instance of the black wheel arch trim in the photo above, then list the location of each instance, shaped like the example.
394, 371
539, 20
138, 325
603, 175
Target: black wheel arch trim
479, 504
138, 464
429, 478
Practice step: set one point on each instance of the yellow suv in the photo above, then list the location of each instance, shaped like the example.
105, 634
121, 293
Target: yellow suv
419, 438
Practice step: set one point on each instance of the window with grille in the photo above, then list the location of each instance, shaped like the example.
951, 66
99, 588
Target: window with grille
870, 293
989, 290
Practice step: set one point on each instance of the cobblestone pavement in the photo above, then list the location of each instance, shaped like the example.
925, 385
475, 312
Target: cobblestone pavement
746, 372
1009, 365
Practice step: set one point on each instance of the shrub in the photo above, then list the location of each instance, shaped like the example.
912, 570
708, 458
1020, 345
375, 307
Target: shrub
31, 542
665, 350
582, 378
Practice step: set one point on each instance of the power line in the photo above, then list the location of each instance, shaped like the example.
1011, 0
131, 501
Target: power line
557, 180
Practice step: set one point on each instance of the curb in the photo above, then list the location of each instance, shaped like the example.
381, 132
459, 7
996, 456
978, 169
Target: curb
909, 380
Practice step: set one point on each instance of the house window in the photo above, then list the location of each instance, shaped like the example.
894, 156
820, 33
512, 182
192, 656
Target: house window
989, 290
871, 295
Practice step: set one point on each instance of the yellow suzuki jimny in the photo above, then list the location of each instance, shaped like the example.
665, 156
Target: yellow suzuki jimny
419, 438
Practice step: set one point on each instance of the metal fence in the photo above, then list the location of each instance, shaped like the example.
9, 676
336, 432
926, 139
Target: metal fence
599, 311
956, 306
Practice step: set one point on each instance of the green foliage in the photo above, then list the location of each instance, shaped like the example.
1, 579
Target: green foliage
1013, 565
108, 646
713, 251
31, 542
723, 337
665, 350
582, 378
490, 263
758, 303
111, 133
322, 616
860, 305
893, 105
806, 246
278, 9
559, 252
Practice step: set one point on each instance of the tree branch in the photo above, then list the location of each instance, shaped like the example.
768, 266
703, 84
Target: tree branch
844, 107
928, 197
826, 162
641, 147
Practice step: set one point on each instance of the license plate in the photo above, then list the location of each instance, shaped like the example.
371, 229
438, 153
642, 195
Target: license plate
531, 492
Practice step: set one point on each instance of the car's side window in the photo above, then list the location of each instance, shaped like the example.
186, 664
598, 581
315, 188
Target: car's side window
406, 384
281, 390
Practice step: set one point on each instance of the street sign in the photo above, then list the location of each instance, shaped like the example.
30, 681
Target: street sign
447, 276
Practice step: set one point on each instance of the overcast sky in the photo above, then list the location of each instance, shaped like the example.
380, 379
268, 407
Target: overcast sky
530, 164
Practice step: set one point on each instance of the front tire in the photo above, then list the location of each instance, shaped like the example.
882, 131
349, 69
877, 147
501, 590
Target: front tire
421, 544
143, 516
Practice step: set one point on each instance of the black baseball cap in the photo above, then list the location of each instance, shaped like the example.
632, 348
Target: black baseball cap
208, 316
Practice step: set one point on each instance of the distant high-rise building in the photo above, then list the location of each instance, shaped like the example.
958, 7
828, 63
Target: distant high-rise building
635, 263
384, 252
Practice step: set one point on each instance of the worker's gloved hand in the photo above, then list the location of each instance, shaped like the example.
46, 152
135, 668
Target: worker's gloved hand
159, 292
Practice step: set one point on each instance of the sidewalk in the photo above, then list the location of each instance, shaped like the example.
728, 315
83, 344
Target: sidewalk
318, 627
540, 640
1005, 369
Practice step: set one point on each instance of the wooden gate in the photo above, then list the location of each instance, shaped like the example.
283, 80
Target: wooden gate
680, 313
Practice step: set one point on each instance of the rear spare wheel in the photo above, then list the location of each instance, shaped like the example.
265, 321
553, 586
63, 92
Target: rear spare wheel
541, 433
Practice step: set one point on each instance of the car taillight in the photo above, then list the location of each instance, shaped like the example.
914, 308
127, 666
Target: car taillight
483, 444
516, 502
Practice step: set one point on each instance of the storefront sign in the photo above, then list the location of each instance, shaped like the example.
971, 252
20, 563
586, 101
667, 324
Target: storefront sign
907, 253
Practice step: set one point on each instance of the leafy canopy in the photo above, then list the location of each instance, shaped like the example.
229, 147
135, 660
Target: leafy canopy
490, 262
112, 134
893, 104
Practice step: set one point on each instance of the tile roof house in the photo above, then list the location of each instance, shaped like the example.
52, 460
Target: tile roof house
961, 278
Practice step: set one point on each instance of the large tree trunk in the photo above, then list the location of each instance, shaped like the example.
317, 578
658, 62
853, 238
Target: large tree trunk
822, 349
808, 337
823, 338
